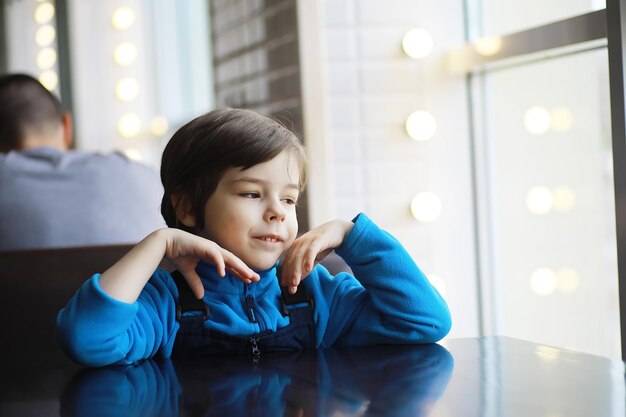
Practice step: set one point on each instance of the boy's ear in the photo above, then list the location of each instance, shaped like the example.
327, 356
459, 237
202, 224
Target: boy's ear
182, 207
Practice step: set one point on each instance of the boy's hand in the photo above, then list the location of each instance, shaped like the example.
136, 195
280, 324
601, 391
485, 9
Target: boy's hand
184, 250
311, 248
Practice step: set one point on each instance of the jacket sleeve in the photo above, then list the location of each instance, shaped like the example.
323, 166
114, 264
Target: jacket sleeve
97, 330
388, 300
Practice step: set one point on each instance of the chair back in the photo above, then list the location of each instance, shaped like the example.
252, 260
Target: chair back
34, 286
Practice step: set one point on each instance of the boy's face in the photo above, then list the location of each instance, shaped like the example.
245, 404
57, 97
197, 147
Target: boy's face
252, 213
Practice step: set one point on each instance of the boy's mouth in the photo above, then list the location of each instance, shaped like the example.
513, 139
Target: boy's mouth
269, 238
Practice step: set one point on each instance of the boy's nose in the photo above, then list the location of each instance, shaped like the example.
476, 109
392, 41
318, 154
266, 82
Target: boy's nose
276, 212
277, 218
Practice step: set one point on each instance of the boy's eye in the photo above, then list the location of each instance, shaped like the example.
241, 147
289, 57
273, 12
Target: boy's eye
250, 195
289, 200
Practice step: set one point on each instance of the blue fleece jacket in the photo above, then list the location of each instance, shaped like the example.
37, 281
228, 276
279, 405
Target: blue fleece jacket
388, 300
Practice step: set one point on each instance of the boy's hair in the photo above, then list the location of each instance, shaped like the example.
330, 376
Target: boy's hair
25, 105
199, 153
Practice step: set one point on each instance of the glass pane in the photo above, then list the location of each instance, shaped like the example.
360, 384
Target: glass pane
501, 17
552, 203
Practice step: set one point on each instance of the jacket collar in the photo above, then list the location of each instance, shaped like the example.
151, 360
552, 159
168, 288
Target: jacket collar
230, 284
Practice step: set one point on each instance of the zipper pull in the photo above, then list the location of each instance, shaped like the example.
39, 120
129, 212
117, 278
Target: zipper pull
250, 308
254, 347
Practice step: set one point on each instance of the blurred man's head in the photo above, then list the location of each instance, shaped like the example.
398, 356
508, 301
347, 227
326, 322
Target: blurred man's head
31, 116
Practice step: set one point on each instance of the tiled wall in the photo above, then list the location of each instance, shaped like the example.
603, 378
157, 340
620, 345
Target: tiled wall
372, 88
256, 64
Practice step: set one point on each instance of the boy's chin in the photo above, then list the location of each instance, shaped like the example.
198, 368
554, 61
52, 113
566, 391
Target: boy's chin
261, 264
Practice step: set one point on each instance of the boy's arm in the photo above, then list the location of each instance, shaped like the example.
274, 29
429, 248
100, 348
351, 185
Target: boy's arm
95, 329
125, 280
390, 301
121, 317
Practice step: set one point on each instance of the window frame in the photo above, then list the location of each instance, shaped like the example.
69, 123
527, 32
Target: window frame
604, 28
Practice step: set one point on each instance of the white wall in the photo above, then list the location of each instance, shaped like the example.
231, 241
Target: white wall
372, 86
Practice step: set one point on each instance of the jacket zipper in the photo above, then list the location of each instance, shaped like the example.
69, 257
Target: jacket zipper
252, 310
254, 347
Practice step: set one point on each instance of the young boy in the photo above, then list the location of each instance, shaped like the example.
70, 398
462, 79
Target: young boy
232, 179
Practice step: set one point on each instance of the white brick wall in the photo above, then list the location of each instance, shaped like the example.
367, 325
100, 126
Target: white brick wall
372, 86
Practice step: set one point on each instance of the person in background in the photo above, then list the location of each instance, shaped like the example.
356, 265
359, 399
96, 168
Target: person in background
51, 196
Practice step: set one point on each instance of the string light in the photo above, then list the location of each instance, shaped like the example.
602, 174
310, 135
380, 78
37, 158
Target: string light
123, 18
567, 280
45, 35
543, 281
537, 120
127, 89
421, 125
125, 54
563, 199
417, 43
46, 58
426, 206
49, 79
539, 200
561, 119
129, 125
44, 13
488, 46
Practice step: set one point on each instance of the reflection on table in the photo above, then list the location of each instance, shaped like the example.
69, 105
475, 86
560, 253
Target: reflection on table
494, 376
402, 381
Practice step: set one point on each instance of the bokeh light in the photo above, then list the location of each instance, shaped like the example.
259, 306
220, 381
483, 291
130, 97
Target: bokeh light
417, 43
46, 58
45, 35
127, 89
421, 125
125, 54
537, 120
426, 206
129, 125
49, 79
563, 199
539, 200
488, 46
567, 280
123, 18
44, 13
561, 119
543, 281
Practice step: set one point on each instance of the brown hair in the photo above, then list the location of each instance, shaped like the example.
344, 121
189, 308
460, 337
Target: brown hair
25, 105
199, 153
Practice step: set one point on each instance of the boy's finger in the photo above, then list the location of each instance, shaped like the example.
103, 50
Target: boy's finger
245, 278
194, 282
311, 256
288, 270
216, 259
238, 268
235, 263
297, 266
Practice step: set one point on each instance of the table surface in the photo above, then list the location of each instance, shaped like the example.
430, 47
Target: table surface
491, 376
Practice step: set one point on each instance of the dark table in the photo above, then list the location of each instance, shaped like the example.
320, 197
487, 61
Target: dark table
493, 376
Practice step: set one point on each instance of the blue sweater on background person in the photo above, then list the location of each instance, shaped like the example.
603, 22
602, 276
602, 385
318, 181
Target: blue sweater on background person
388, 300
